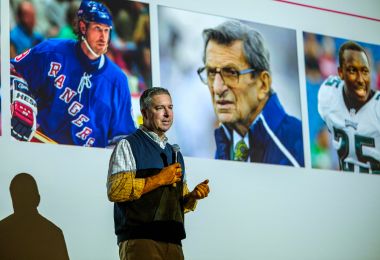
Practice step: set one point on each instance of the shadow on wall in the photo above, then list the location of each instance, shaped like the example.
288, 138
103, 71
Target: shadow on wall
26, 234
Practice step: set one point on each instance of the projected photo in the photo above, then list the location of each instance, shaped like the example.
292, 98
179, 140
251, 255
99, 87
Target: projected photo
343, 82
0, 85
237, 96
77, 70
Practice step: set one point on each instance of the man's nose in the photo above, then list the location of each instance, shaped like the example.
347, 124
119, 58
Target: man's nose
166, 112
360, 78
103, 34
219, 85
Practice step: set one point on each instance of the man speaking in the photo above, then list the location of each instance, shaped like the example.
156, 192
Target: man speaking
146, 182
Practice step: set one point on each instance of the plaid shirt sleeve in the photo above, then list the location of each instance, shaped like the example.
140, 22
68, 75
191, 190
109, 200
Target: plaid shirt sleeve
121, 182
189, 206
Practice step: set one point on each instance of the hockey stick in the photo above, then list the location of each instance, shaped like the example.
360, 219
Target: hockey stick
39, 137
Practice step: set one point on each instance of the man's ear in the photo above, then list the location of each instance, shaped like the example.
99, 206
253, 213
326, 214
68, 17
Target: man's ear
82, 27
340, 73
266, 83
143, 113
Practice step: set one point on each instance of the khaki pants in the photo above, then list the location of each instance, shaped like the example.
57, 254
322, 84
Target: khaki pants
147, 249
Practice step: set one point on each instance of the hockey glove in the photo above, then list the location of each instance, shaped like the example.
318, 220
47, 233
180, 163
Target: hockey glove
23, 109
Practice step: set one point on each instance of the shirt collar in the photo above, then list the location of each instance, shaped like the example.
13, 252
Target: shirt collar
89, 65
237, 137
152, 135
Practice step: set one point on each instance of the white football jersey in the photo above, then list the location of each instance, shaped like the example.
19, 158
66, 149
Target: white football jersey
356, 134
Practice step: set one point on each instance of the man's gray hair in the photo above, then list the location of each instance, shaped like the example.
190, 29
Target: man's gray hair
254, 49
148, 94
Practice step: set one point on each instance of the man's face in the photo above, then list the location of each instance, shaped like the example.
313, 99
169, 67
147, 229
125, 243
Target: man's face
355, 72
28, 16
159, 116
237, 101
97, 36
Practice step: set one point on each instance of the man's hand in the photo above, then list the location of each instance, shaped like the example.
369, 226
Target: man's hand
200, 191
23, 109
166, 176
170, 174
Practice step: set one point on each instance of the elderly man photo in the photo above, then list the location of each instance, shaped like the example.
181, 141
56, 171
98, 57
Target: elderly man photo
253, 123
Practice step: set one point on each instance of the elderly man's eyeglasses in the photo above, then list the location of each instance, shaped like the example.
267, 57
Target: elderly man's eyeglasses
229, 75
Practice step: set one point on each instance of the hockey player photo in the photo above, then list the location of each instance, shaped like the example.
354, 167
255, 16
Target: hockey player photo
77, 86
349, 105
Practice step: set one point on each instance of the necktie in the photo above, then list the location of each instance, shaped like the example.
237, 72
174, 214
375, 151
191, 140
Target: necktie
241, 151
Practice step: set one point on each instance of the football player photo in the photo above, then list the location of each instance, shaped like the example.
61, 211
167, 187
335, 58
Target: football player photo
343, 87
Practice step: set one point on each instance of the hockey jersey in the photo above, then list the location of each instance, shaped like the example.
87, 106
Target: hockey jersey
356, 134
80, 101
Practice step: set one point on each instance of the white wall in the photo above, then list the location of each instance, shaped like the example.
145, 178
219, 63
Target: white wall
254, 211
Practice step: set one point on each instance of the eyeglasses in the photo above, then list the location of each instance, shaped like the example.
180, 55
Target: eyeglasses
229, 75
